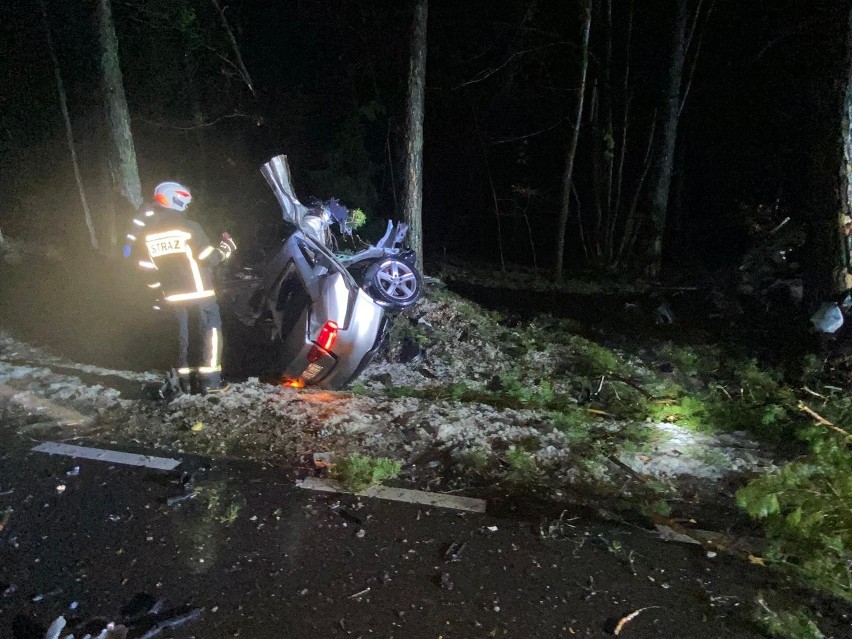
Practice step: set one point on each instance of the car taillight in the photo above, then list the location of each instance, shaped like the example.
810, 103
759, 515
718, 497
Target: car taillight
327, 335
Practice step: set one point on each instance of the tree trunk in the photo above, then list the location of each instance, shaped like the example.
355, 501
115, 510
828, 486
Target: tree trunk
413, 186
841, 276
117, 113
69, 131
567, 175
661, 176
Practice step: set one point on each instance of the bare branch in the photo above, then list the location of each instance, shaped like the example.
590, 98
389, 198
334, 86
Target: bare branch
528, 135
244, 74
484, 75
196, 126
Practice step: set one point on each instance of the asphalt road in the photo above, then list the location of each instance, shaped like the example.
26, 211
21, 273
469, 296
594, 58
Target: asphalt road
92, 539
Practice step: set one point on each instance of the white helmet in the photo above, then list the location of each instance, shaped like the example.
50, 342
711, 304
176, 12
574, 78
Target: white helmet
172, 195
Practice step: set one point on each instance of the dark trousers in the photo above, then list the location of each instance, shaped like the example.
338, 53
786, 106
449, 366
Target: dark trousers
200, 338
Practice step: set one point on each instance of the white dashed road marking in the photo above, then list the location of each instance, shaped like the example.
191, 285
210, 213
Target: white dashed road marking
110, 456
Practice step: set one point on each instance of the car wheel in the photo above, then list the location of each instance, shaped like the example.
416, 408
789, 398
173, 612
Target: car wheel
394, 282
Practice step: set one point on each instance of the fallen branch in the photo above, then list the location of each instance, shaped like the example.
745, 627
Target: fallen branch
822, 421
632, 384
628, 469
814, 393
628, 618
595, 411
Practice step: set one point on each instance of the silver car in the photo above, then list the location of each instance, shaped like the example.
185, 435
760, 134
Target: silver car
327, 314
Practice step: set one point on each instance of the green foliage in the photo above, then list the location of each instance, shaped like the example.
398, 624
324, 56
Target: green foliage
474, 460
659, 507
786, 624
523, 472
573, 423
746, 396
812, 367
757, 384
689, 360
357, 218
838, 410
590, 358
805, 507
526, 392
357, 472
223, 503
358, 388
688, 410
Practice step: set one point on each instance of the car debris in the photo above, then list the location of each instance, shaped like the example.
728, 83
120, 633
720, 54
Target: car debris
152, 623
828, 318
454, 552
46, 595
173, 501
173, 622
445, 581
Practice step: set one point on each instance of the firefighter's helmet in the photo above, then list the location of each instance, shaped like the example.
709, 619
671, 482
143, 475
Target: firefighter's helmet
172, 196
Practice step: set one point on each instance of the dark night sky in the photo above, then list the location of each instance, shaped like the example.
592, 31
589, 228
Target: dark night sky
331, 79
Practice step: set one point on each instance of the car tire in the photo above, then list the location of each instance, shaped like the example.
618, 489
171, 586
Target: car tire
394, 282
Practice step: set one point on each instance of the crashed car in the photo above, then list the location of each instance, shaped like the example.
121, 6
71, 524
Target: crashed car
326, 314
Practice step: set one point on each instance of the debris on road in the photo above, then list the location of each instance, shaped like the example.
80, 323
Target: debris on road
454, 552
172, 501
619, 625
360, 593
55, 628
45, 595
173, 622
445, 582
323, 460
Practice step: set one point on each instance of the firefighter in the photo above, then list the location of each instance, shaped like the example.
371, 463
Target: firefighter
180, 259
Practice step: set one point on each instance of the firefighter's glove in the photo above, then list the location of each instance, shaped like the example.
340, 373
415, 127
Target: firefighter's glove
126, 250
226, 247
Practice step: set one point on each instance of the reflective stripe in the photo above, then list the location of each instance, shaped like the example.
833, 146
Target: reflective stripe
214, 348
178, 297
209, 369
154, 285
149, 213
138, 222
176, 241
147, 265
184, 371
205, 253
131, 237
196, 272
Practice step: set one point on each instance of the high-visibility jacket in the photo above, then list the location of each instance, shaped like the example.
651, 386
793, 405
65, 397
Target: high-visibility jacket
178, 254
